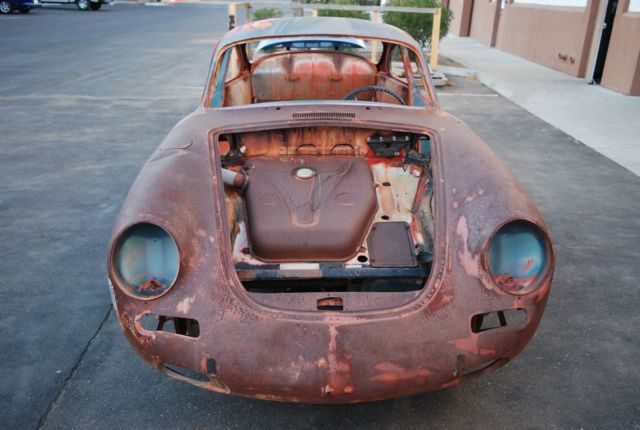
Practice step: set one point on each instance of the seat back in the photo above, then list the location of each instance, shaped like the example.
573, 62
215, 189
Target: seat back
316, 75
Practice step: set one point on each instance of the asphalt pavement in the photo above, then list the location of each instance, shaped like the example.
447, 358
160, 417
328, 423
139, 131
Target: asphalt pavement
85, 97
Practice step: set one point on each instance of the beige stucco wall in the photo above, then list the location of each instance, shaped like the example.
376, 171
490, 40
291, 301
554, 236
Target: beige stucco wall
622, 67
484, 21
557, 37
461, 16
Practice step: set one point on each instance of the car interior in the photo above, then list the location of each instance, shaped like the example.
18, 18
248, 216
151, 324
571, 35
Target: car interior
319, 69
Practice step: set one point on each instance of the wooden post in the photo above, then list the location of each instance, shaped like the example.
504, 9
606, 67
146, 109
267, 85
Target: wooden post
376, 16
435, 39
296, 10
232, 10
249, 10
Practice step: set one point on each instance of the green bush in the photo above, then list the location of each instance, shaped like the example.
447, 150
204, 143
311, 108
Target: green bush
418, 25
359, 14
266, 13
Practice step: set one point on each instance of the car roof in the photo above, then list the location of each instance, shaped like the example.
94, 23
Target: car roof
317, 26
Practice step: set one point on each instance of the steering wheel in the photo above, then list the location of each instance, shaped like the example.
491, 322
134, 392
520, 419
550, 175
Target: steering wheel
352, 95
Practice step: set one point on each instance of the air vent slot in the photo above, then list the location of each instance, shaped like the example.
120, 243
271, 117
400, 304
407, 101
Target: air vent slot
326, 115
330, 304
494, 320
182, 326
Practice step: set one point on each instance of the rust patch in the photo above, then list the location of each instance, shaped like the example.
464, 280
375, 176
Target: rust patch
184, 305
338, 369
468, 260
390, 373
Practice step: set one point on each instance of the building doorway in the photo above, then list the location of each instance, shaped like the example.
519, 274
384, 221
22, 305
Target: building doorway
605, 37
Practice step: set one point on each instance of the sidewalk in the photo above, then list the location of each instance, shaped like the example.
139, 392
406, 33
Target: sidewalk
604, 120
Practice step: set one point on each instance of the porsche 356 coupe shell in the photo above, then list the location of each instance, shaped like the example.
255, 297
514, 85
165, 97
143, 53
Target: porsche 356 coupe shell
320, 231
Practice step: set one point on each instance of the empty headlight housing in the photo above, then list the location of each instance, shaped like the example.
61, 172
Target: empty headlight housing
518, 256
145, 261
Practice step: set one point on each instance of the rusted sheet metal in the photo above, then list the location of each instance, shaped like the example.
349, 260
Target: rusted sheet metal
312, 76
328, 357
325, 347
294, 220
390, 245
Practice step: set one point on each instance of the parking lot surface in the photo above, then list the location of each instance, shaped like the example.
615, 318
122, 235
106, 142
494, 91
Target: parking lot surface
85, 97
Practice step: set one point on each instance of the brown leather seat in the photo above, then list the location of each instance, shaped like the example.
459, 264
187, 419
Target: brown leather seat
310, 76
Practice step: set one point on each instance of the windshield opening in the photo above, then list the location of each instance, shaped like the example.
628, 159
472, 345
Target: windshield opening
315, 68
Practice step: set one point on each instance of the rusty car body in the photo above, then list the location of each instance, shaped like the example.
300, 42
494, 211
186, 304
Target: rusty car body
285, 243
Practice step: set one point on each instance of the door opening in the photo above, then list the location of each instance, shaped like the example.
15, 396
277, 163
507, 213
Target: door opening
607, 28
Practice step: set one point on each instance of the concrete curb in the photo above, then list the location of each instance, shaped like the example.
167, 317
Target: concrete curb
482, 77
457, 71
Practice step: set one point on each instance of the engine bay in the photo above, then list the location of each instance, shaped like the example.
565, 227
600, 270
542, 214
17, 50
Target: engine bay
324, 209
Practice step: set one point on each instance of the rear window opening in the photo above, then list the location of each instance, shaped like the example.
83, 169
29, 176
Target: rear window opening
329, 210
366, 48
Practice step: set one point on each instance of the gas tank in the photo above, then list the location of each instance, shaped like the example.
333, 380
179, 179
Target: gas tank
307, 208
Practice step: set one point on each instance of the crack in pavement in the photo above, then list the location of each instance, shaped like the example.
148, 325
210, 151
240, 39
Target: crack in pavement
74, 370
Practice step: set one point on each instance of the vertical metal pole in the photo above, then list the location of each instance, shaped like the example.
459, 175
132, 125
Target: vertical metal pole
435, 39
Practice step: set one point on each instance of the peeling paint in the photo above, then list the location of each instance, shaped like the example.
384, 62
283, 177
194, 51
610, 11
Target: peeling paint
468, 260
390, 373
184, 306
